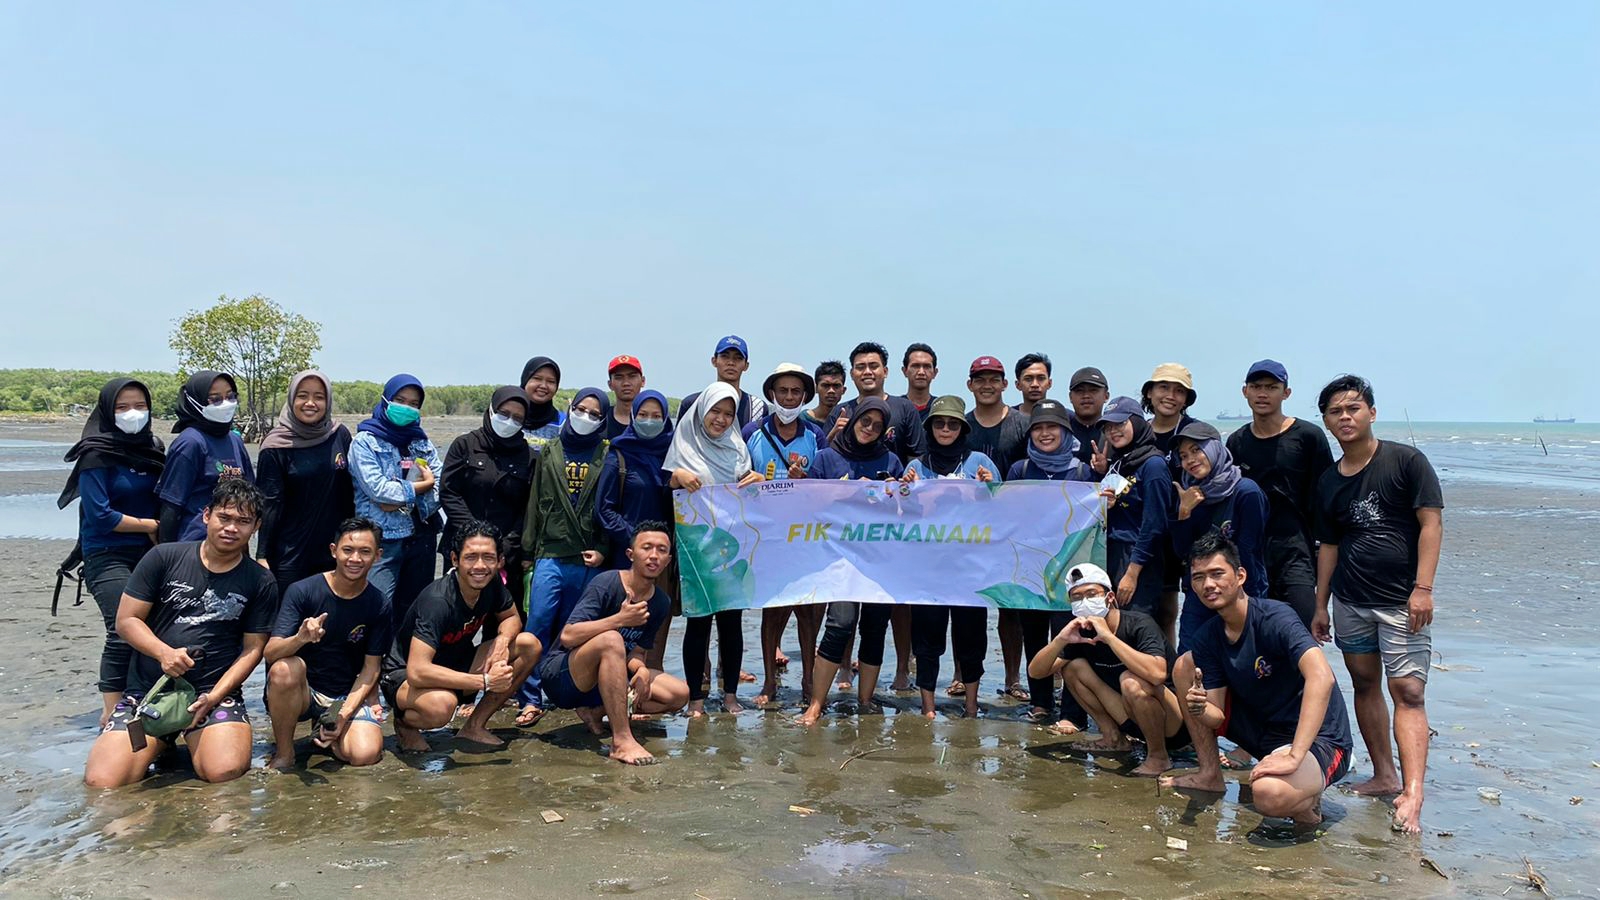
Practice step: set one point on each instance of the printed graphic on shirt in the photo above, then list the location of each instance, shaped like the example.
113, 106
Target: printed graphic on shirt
577, 474
1263, 668
357, 634
465, 633
207, 607
1367, 512
226, 471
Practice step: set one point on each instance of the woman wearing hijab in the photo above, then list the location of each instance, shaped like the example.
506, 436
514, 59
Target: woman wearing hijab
541, 379
706, 449
304, 476
1052, 456
1215, 495
205, 451
561, 533
395, 467
633, 490
949, 456
116, 463
487, 474
1141, 505
858, 451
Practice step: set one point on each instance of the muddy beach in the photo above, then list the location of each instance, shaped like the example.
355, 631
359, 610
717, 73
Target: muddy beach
752, 805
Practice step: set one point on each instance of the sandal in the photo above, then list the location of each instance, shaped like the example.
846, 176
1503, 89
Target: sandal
956, 689
1015, 692
529, 716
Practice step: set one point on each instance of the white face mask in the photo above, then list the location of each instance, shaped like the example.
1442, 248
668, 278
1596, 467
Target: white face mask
648, 428
505, 426
787, 415
582, 422
220, 412
1090, 607
132, 421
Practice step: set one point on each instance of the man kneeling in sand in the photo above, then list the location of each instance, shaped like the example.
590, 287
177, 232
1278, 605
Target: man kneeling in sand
1117, 663
1257, 677
432, 665
597, 666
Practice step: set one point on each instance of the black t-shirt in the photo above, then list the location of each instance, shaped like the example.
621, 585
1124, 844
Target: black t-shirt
354, 630
1137, 630
1088, 436
441, 619
604, 597
191, 606
308, 493
905, 435
1286, 467
1167, 441
1005, 443
1372, 517
614, 429
1261, 671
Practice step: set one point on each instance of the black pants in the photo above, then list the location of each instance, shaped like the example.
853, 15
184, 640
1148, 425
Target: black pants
1292, 578
841, 626
1035, 635
106, 573
697, 649
1147, 593
417, 571
969, 633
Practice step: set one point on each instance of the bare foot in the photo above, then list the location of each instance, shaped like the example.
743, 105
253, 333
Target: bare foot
632, 755
769, 694
1198, 780
697, 709
1152, 767
477, 734
1310, 817
845, 687
779, 660
281, 763
410, 738
746, 677
464, 711
1119, 744
929, 714
1408, 813
591, 716
900, 685
1377, 787
971, 708
811, 715
730, 704
1063, 727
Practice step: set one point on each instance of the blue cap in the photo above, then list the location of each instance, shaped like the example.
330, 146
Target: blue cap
1268, 367
1121, 410
732, 342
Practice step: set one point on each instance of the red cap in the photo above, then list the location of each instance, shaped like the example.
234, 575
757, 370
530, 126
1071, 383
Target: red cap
986, 364
618, 362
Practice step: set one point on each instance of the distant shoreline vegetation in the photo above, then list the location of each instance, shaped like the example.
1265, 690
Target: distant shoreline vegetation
66, 392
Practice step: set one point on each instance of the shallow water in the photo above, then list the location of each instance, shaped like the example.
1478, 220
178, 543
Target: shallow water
992, 807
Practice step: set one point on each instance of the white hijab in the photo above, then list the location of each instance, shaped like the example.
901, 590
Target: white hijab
721, 460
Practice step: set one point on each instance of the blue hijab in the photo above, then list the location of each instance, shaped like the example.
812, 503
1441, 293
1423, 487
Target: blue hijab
645, 454
1060, 462
384, 430
577, 446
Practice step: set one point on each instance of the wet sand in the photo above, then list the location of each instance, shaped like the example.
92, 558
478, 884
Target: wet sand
986, 808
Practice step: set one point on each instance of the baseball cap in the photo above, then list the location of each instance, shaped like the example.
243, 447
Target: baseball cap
1121, 410
1088, 375
790, 369
1198, 431
1267, 367
1087, 573
949, 406
1051, 411
732, 342
624, 361
1174, 373
986, 364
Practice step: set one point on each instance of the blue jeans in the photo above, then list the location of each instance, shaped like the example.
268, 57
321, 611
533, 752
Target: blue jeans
554, 588
404, 569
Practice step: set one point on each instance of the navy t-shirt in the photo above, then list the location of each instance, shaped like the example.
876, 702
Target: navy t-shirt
354, 630
192, 606
602, 598
831, 464
196, 461
1372, 517
1261, 671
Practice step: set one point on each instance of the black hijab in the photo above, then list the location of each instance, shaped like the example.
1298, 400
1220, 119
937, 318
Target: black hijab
945, 460
845, 441
194, 397
539, 414
1127, 460
486, 433
104, 445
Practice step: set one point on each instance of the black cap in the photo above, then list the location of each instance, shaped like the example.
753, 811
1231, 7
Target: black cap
1051, 411
1088, 375
1198, 431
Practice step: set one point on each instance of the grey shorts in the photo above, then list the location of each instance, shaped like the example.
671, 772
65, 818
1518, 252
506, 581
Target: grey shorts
1386, 631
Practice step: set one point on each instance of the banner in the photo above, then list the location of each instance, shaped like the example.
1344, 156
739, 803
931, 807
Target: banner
938, 541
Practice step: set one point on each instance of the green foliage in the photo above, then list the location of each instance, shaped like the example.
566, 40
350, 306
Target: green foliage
1085, 546
712, 579
257, 342
61, 390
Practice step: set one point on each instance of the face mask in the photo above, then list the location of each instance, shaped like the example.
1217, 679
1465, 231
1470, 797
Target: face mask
132, 421
221, 412
1090, 607
582, 422
505, 426
649, 428
402, 415
787, 414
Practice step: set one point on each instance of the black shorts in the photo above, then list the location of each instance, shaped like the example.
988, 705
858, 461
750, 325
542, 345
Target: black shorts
556, 680
231, 709
389, 685
1174, 743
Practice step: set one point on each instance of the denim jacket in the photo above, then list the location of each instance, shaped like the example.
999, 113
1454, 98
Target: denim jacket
379, 479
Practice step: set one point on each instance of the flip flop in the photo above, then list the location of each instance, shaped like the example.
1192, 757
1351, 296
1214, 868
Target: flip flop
534, 714
1015, 692
956, 689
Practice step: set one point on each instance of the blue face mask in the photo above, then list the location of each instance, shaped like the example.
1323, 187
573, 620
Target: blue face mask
649, 428
402, 415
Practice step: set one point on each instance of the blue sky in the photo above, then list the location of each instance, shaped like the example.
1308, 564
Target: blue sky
1408, 191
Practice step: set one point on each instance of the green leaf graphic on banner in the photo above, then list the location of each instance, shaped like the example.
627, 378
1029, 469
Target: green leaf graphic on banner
1008, 595
1086, 546
712, 579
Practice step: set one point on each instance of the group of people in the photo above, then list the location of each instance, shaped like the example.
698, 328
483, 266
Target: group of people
1229, 560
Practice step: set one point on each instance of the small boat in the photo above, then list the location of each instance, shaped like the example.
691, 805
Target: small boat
1231, 417
1541, 420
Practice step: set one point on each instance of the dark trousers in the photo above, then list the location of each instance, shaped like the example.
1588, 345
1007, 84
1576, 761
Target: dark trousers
697, 650
969, 635
840, 626
1147, 594
106, 573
